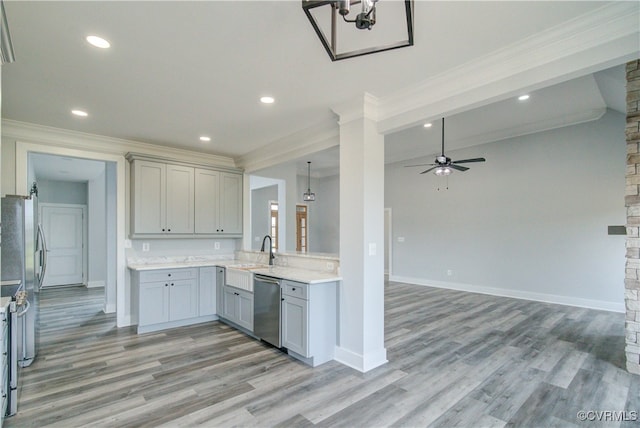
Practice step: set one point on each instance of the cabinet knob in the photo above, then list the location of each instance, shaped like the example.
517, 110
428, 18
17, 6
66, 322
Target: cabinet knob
168, 274
168, 230
163, 230
282, 299
166, 285
293, 288
172, 284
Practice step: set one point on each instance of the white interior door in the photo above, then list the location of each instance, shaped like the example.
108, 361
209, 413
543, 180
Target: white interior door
63, 226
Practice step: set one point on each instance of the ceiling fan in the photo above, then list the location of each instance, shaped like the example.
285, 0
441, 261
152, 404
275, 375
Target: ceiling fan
443, 164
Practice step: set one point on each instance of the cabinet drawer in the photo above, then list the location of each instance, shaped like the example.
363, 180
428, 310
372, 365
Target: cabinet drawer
168, 274
294, 289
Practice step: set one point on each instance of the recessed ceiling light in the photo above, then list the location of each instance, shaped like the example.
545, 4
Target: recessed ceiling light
205, 139
98, 42
524, 97
428, 125
80, 113
267, 100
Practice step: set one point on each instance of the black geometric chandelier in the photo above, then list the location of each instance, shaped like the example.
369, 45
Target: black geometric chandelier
333, 20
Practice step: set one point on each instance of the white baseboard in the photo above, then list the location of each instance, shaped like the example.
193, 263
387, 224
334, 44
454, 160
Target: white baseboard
110, 309
362, 363
516, 294
95, 284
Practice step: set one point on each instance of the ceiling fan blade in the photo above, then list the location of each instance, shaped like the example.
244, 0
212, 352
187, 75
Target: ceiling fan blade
430, 169
458, 167
420, 164
470, 160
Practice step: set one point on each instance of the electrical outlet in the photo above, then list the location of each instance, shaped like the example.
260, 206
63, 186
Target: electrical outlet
400, 238
127, 243
257, 239
145, 246
329, 266
372, 249
449, 272
216, 245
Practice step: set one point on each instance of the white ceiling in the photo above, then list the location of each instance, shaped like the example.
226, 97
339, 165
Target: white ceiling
178, 70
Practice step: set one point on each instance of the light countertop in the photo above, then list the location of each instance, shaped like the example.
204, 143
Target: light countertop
290, 273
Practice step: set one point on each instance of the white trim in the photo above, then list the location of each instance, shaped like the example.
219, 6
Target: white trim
362, 363
315, 138
591, 42
515, 294
22, 154
85, 234
30, 132
95, 284
389, 251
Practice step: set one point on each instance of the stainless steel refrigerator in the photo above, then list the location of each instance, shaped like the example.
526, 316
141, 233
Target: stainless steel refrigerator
24, 259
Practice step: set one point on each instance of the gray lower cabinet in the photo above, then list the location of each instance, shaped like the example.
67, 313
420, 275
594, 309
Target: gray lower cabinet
309, 321
238, 307
4, 364
174, 297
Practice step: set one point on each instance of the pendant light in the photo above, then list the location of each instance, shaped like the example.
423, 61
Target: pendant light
308, 196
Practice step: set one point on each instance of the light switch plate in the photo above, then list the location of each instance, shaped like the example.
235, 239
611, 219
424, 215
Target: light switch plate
372, 249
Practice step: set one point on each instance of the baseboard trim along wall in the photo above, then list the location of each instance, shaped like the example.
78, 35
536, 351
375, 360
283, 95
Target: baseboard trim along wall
95, 284
515, 294
362, 363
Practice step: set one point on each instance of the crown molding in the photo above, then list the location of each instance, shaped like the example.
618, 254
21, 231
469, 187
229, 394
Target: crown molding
601, 38
33, 133
318, 137
366, 106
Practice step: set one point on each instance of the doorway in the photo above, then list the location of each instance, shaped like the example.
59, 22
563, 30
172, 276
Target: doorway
302, 244
115, 294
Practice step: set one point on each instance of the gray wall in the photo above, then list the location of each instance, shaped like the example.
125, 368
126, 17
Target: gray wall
62, 192
97, 231
260, 213
324, 215
530, 222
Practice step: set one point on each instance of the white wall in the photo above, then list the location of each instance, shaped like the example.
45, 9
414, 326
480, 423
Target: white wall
530, 222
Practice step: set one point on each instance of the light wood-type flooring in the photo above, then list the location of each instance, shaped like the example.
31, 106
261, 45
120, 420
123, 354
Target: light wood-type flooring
455, 359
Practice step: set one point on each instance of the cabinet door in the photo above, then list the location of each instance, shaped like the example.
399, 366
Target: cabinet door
154, 303
183, 299
180, 199
230, 203
294, 325
149, 197
207, 203
230, 304
207, 291
245, 310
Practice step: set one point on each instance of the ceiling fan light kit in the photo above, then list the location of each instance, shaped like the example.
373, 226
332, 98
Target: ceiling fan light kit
339, 10
443, 165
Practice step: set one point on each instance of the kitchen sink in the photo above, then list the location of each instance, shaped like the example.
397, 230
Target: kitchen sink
241, 275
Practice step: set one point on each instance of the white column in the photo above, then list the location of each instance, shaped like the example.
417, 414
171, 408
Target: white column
361, 342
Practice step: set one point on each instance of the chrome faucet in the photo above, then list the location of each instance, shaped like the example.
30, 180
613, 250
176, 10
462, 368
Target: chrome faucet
271, 256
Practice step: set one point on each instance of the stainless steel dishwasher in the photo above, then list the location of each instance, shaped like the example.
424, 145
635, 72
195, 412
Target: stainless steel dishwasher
266, 309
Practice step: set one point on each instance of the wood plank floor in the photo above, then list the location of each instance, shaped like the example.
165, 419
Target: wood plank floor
456, 359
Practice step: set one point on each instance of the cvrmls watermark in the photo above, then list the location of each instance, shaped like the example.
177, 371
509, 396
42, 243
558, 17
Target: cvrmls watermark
607, 415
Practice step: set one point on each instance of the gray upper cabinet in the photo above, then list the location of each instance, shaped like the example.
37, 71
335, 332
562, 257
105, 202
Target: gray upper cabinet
182, 200
231, 203
180, 197
218, 207
163, 197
